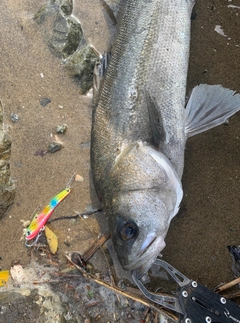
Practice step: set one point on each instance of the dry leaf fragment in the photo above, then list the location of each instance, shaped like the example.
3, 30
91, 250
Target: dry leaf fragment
52, 239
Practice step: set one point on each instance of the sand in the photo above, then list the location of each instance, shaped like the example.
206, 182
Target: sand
208, 220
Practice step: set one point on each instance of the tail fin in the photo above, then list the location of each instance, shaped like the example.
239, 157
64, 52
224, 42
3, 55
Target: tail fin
208, 107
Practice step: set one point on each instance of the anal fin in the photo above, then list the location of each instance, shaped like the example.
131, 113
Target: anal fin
208, 107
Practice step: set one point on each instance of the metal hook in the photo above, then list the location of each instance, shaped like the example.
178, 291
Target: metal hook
37, 238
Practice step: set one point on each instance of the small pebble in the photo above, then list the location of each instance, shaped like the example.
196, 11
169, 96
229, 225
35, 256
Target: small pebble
61, 128
14, 117
44, 101
53, 147
78, 178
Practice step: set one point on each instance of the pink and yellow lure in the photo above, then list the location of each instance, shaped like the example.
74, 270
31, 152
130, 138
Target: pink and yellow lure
39, 220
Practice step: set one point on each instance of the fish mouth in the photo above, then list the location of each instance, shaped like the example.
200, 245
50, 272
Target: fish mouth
150, 249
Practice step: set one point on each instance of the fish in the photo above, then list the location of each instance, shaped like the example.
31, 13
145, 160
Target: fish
141, 124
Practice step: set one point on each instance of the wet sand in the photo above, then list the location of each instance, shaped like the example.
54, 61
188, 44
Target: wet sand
29, 72
208, 220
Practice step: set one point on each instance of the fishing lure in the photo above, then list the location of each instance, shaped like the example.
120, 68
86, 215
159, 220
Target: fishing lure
39, 220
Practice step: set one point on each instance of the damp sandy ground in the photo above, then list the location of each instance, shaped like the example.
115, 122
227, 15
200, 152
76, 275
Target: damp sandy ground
208, 220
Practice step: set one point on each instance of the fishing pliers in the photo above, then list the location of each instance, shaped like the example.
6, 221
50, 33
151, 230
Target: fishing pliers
194, 302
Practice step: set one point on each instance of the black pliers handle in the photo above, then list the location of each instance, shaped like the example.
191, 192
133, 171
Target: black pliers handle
194, 302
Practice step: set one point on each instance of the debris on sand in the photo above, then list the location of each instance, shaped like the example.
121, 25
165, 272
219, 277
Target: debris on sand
61, 128
44, 102
7, 184
53, 147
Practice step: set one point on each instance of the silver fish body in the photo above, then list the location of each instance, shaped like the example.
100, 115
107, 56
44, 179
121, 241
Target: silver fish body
145, 84
149, 63
138, 131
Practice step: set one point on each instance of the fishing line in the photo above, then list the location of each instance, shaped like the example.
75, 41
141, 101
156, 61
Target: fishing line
78, 215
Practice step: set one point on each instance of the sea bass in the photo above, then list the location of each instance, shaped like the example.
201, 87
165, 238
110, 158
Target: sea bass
140, 126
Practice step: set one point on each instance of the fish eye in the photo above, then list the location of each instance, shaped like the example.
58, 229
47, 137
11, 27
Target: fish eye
28, 233
129, 231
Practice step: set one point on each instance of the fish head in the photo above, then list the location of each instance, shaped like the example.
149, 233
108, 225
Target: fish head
140, 228
146, 198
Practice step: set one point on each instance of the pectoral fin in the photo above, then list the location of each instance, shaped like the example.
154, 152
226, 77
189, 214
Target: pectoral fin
208, 107
155, 118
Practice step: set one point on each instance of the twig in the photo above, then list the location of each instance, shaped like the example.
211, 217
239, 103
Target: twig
82, 259
103, 253
95, 246
65, 275
120, 292
232, 295
88, 305
35, 282
227, 285
78, 215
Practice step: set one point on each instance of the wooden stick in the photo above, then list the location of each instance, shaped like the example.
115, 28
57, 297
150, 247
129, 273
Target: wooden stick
49, 281
232, 295
95, 246
123, 293
228, 285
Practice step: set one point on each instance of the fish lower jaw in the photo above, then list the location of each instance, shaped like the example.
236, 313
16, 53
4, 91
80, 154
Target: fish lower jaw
144, 260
